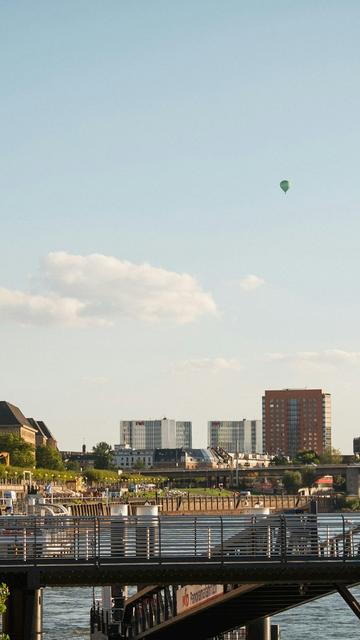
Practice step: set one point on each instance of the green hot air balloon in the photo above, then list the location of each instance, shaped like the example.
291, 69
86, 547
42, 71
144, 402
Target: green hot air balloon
285, 185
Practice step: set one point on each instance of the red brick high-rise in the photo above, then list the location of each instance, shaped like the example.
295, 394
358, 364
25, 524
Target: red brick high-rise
296, 419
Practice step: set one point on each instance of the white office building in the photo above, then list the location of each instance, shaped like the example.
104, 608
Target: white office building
126, 458
155, 434
236, 436
183, 434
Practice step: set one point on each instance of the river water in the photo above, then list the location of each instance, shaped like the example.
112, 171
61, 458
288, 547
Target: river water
66, 616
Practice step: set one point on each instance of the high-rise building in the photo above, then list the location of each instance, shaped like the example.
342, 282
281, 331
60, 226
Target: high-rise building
236, 436
183, 434
296, 420
155, 434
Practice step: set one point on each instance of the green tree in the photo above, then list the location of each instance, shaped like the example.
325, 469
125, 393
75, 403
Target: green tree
139, 464
339, 483
73, 465
280, 460
48, 458
21, 452
4, 593
331, 456
101, 476
292, 481
308, 477
306, 457
103, 456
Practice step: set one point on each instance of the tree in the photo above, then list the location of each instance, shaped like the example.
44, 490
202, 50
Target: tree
309, 477
280, 460
103, 456
4, 593
139, 464
331, 456
48, 458
292, 481
73, 465
339, 483
306, 457
21, 452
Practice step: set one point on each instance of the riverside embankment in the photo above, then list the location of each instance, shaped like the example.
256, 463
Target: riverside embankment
204, 504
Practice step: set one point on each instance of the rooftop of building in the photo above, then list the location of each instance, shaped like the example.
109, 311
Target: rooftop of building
11, 415
42, 428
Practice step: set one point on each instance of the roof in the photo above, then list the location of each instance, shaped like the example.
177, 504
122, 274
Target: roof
41, 427
171, 455
11, 415
45, 429
325, 480
36, 426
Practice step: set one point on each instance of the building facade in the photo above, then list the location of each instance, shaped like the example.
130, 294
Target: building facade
126, 458
236, 436
185, 459
155, 434
44, 436
296, 420
12, 420
183, 434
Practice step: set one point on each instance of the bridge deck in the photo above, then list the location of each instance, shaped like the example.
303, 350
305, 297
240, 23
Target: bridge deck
195, 550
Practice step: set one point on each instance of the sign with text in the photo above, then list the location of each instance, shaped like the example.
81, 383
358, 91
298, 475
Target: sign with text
195, 594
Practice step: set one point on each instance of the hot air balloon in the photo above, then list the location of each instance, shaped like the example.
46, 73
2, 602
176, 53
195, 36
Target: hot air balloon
285, 185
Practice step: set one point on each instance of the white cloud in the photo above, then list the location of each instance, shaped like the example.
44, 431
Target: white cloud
251, 282
98, 289
27, 308
212, 365
327, 357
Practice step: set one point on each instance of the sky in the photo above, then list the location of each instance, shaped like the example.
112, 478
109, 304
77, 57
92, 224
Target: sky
150, 265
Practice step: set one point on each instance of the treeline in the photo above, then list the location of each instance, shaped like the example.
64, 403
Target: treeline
329, 456
23, 454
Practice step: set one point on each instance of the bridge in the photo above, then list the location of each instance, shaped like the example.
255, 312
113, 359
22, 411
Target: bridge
267, 562
228, 476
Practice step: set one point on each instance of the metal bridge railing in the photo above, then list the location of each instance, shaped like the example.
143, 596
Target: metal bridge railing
171, 539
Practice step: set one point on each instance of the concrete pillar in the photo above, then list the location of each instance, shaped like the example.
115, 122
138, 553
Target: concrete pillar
147, 531
23, 617
118, 528
38, 614
259, 629
352, 480
275, 632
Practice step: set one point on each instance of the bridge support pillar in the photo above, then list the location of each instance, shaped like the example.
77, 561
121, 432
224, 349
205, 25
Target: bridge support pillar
259, 629
23, 617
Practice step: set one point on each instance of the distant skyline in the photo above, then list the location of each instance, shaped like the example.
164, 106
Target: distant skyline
150, 264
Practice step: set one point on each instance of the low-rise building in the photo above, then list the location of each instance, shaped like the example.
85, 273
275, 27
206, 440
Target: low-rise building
82, 459
185, 459
12, 420
127, 458
251, 460
43, 436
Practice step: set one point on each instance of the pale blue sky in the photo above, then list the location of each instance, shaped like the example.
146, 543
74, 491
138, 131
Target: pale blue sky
158, 132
